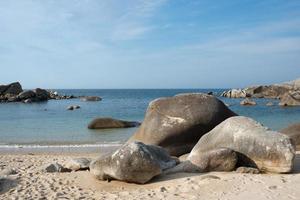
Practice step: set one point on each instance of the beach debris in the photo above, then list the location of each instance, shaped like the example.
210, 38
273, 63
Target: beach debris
247, 170
177, 123
103, 123
255, 145
290, 99
248, 102
90, 98
134, 162
293, 131
77, 164
55, 167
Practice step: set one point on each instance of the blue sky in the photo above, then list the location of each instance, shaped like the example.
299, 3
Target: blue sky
149, 43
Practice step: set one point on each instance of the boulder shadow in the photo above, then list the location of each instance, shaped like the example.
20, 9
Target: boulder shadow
6, 184
296, 169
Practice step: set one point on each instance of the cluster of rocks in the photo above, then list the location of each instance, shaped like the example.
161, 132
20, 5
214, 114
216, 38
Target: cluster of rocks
75, 164
288, 93
14, 93
205, 132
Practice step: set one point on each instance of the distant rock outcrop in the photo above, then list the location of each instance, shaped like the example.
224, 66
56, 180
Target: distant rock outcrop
14, 93
275, 91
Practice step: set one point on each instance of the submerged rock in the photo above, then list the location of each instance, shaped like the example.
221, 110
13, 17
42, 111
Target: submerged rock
248, 102
73, 107
293, 131
270, 104
103, 123
91, 98
177, 123
133, 162
255, 145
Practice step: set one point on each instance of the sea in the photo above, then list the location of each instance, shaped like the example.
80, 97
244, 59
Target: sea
50, 123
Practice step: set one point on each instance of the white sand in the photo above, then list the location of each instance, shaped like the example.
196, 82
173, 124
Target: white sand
31, 183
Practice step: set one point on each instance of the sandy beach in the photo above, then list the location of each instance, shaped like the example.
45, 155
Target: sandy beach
31, 183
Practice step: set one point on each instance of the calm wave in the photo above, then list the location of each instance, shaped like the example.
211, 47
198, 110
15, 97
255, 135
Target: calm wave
50, 123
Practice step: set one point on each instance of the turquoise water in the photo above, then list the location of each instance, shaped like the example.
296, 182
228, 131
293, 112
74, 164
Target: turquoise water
50, 122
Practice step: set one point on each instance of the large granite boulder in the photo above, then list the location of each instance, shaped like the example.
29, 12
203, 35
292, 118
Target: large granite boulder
177, 123
235, 93
134, 162
104, 123
256, 146
12, 89
290, 99
293, 131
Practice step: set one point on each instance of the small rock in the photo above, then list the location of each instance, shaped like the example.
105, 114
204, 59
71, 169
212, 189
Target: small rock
91, 98
163, 189
8, 171
247, 170
70, 108
78, 164
248, 102
270, 104
55, 167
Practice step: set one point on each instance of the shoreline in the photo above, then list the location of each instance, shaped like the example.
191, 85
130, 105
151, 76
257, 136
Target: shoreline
72, 148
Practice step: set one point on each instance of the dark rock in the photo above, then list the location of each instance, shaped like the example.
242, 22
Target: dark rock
27, 101
248, 102
70, 108
26, 95
41, 94
90, 98
13, 89
177, 123
256, 146
134, 162
293, 131
103, 123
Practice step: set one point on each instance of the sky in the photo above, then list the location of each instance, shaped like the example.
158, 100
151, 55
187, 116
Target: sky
149, 43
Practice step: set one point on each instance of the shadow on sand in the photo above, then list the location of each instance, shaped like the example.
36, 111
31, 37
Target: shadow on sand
6, 184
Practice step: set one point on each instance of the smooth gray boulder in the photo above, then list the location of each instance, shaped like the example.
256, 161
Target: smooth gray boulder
256, 146
91, 98
41, 94
76, 164
293, 131
55, 167
221, 159
177, 123
134, 162
104, 123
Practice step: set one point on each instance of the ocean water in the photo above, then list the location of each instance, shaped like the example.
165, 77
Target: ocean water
49, 123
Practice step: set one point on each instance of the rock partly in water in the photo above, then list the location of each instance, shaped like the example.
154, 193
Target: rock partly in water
177, 123
270, 104
91, 98
134, 162
235, 93
290, 99
78, 164
104, 123
248, 102
55, 167
12, 89
26, 95
255, 145
293, 131
73, 107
